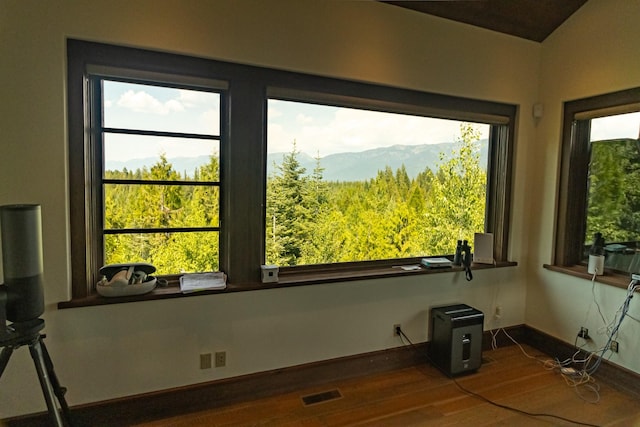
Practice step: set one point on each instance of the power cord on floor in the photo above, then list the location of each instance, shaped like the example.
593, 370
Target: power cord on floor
577, 379
403, 337
578, 370
520, 411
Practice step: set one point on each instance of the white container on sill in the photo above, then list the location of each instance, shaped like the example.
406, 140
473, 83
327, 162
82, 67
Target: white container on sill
596, 265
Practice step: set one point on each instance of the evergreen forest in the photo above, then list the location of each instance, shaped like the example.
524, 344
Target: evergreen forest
614, 193
308, 220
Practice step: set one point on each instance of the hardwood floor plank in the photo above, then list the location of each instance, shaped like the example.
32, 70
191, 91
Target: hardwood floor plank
422, 396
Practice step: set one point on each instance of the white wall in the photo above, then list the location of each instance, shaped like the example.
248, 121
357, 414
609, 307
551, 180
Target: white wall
111, 351
596, 51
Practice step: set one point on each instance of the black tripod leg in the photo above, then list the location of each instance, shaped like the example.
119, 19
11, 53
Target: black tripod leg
57, 389
43, 375
4, 358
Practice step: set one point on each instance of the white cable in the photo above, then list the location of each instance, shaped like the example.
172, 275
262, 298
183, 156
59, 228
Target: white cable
620, 315
574, 378
594, 301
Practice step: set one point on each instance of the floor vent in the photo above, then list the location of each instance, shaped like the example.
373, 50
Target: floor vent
325, 396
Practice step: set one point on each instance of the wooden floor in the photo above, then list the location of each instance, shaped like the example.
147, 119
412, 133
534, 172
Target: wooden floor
422, 396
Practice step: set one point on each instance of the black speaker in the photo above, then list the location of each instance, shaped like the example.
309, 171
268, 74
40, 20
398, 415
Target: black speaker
21, 230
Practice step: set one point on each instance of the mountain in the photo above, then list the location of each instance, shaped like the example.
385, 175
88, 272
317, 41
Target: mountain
366, 164
337, 167
183, 165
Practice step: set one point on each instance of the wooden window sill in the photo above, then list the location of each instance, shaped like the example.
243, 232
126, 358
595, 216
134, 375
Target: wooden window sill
287, 278
609, 278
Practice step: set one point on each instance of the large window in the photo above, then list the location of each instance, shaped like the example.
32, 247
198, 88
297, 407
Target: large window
349, 184
159, 193
184, 162
599, 182
613, 199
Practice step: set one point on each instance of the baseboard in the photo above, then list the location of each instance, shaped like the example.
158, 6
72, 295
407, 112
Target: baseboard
193, 398
609, 373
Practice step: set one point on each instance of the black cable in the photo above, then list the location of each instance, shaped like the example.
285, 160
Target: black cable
520, 411
402, 334
509, 408
467, 273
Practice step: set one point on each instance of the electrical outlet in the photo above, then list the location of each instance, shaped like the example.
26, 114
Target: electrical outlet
614, 346
221, 359
396, 329
584, 333
205, 361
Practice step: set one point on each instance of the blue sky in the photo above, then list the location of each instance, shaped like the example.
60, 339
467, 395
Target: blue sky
327, 130
157, 108
316, 129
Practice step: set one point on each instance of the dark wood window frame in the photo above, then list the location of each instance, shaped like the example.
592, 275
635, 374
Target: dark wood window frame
99, 131
574, 171
243, 162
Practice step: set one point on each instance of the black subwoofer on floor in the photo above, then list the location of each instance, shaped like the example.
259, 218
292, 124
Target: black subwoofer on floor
456, 339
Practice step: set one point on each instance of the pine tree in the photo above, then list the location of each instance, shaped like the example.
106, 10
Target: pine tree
287, 211
457, 198
613, 194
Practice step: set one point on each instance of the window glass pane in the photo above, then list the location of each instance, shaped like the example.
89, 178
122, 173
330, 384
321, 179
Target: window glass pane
613, 192
348, 184
158, 108
155, 157
170, 253
160, 206
132, 107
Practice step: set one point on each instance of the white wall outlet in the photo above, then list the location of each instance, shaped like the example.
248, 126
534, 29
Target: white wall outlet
205, 361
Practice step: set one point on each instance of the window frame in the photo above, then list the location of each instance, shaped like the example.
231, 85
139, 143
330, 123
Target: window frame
498, 146
243, 157
574, 170
98, 131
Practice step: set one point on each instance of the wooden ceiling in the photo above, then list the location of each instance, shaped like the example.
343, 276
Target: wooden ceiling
529, 19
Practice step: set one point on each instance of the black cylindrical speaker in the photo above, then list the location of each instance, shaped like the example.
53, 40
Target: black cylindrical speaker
21, 231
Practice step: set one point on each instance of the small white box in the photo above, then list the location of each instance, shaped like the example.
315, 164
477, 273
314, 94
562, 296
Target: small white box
269, 273
483, 251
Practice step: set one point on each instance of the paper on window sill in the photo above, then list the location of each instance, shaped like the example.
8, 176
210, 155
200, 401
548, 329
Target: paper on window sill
202, 281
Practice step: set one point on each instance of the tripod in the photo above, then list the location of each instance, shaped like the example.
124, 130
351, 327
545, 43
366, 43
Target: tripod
28, 333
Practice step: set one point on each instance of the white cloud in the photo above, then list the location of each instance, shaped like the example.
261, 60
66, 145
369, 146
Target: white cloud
279, 140
274, 112
193, 98
173, 105
210, 121
358, 130
142, 102
618, 126
119, 147
303, 118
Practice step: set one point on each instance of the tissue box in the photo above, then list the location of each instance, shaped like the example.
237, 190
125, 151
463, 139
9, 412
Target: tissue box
269, 273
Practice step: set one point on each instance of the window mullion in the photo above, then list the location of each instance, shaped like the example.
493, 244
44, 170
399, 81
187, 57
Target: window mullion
243, 175
159, 133
499, 189
95, 190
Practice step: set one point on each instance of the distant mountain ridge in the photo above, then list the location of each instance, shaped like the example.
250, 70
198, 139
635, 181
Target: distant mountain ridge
337, 167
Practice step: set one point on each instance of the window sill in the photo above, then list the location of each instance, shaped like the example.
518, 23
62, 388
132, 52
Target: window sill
613, 279
287, 278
